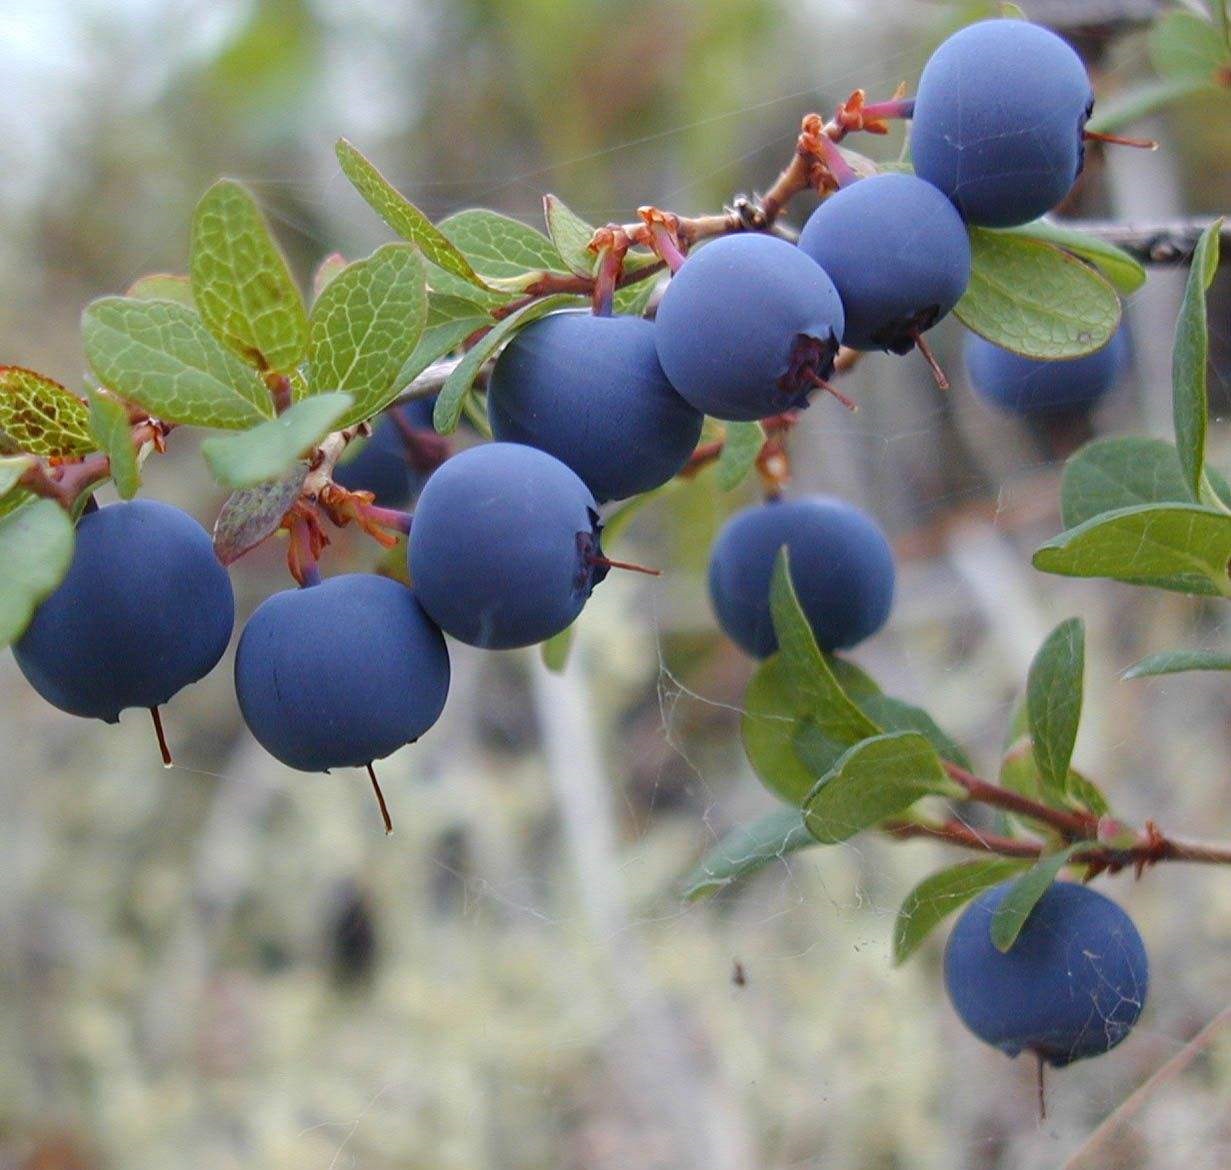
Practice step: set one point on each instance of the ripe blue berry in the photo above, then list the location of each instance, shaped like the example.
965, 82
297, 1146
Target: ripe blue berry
589, 390
841, 567
145, 610
503, 546
746, 326
341, 673
998, 121
1026, 386
898, 254
1071, 986
382, 464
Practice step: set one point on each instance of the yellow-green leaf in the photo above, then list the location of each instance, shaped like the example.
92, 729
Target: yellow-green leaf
41, 417
113, 433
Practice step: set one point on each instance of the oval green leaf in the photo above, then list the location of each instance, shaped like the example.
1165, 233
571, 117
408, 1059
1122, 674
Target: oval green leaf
36, 549
745, 850
113, 433
1053, 702
41, 417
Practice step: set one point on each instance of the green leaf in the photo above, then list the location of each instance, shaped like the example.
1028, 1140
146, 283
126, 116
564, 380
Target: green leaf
1123, 270
1024, 895
241, 284
1182, 45
1134, 104
162, 286
451, 399
741, 446
633, 299
1178, 661
1181, 547
401, 215
1053, 701
365, 325
501, 248
271, 450
771, 723
252, 514
875, 779
938, 896
12, 468
333, 265
898, 715
555, 650
36, 549
1035, 299
746, 850
40, 417
450, 320
571, 236
113, 433
160, 356
1189, 358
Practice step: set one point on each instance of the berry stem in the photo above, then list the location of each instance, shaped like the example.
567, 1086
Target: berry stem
1041, 1086
942, 382
380, 800
156, 715
1119, 140
829, 388
608, 563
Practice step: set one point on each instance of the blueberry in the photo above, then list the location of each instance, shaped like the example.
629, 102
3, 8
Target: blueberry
144, 610
589, 390
998, 121
1072, 985
898, 254
340, 674
841, 567
381, 465
746, 326
1026, 386
503, 546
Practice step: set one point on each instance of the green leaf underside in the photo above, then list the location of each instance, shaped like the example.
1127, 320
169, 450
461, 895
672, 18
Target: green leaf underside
555, 650
1126, 274
1182, 45
271, 450
571, 236
252, 514
898, 715
940, 894
1190, 395
365, 325
1053, 702
241, 284
741, 446
1181, 547
113, 433
402, 215
1022, 897
1122, 472
745, 850
160, 355
501, 248
1035, 299
449, 403
162, 286
633, 299
875, 779
40, 417
450, 320
36, 549
1178, 661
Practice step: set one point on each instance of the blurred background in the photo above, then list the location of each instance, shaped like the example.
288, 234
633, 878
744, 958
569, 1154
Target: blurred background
228, 965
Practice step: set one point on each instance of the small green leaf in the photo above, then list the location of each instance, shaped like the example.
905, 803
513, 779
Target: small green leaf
1141, 100
898, 715
1024, 894
571, 235
40, 417
160, 356
450, 320
741, 446
875, 779
333, 265
113, 433
252, 514
271, 450
633, 299
1123, 270
1182, 45
1053, 701
452, 397
501, 248
1035, 299
746, 850
365, 325
1190, 356
1181, 547
401, 215
36, 549
938, 896
241, 284
771, 724
12, 468
162, 286
555, 650
1178, 661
